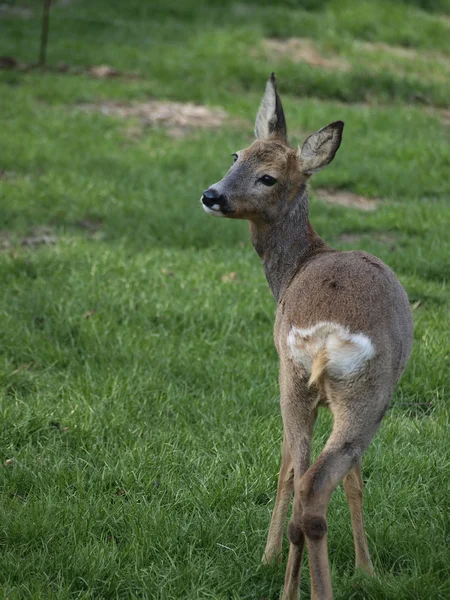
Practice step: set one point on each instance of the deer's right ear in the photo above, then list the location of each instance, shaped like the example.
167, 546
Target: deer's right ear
270, 121
319, 148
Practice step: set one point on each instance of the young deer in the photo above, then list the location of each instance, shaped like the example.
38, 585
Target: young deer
343, 332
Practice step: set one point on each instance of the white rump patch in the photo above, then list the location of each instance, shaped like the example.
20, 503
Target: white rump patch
346, 352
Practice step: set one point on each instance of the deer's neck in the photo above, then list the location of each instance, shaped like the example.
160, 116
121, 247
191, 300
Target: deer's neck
286, 243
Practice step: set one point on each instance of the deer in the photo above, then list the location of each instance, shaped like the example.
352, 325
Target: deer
343, 332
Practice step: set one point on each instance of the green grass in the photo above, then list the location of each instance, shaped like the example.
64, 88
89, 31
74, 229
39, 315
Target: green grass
140, 443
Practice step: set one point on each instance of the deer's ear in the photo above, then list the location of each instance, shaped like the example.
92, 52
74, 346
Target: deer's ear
270, 121
319, 148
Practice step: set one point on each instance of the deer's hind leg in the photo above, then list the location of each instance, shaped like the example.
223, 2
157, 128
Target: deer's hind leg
353, 487
298, 407
355, 423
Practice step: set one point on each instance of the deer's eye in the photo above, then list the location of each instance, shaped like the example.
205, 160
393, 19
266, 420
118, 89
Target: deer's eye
268, 180
235, 157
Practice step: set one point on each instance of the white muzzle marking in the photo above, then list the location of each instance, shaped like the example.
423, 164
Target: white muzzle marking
214, 210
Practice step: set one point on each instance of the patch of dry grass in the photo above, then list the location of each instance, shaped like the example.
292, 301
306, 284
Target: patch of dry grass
347, 199
178, 117
303, 50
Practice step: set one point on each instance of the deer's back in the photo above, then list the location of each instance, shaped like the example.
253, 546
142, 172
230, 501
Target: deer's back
353, 290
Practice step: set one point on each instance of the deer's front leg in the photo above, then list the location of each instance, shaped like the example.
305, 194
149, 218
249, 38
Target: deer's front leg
284, 492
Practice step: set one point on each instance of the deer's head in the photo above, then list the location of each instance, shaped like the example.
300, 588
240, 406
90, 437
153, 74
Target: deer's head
264, 178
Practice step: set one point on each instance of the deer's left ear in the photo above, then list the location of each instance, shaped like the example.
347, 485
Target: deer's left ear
319, 148
270, 121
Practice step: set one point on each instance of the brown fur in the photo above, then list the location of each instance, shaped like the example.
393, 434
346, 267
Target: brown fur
354, 320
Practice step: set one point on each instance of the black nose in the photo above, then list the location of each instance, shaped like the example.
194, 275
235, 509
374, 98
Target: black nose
211, 194
211, 197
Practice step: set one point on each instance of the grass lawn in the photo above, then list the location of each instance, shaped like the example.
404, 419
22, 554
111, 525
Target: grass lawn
140, 431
